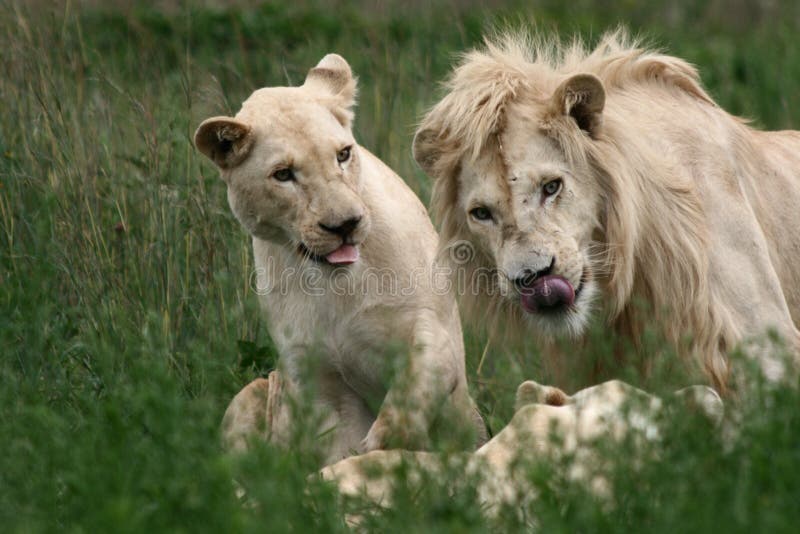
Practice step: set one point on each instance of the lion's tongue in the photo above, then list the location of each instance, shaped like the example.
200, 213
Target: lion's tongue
343, 255
548, 293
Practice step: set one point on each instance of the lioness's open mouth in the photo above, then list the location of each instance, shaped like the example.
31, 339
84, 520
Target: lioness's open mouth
346, 254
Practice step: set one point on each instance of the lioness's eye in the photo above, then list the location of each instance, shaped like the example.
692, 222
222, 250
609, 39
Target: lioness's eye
552, 187
343, 155
481, 213
283, 175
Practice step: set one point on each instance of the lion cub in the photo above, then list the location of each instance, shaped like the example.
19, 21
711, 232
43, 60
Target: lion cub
345, 257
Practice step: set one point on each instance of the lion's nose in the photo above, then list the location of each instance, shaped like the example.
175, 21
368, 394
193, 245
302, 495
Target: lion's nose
343, 229
527, 277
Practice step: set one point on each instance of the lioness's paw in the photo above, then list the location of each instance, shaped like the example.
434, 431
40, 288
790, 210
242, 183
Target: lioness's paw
374, 440
397, 430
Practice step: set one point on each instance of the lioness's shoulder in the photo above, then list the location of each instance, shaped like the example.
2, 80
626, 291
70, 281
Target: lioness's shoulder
388, 188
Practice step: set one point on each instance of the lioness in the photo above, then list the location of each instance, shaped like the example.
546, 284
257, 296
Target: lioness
344, 252
548, 426
611, 172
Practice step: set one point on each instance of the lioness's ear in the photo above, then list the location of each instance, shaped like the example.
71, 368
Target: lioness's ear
530, 392
224, 140
425, 149
333, 75
582, 97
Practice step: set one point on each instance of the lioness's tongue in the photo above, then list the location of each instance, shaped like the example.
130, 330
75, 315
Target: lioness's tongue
343, 255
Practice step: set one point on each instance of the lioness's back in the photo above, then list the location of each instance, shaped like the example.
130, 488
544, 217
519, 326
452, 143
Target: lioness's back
409, 218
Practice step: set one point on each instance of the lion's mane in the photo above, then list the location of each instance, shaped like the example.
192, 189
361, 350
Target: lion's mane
653, 229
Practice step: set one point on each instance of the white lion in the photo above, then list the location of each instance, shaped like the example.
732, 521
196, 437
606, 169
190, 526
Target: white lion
344, 252
608, 178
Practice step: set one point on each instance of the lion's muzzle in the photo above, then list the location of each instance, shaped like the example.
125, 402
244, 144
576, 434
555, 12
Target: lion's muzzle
547, 294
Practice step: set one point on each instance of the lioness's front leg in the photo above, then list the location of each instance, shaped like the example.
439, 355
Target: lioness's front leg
432, 380
269, 409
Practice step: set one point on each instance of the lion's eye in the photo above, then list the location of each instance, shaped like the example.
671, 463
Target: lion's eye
283, 175
552, 187
343, 155
481, 213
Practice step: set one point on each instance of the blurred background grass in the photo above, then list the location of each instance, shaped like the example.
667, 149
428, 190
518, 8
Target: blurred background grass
126, 323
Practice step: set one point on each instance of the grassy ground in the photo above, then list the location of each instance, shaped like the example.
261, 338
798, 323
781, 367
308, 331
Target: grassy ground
126, 323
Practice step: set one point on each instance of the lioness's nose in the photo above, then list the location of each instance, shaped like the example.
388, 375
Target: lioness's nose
344, 228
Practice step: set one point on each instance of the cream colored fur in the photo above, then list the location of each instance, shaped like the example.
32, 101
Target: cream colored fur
339, 323
549, 425
666, 199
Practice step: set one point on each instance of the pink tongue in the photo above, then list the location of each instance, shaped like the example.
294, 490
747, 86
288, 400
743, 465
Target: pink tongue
343, 255
548, 293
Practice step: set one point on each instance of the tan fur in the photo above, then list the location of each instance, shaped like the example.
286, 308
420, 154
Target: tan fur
666, 199
337, 324
612, 411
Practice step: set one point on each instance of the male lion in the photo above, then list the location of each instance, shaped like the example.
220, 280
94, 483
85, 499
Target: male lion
612, 172
344, 252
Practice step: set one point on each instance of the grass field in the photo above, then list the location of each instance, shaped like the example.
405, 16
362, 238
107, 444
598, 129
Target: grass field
126, 322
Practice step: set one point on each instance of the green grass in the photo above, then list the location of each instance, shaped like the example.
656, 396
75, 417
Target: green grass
126, 323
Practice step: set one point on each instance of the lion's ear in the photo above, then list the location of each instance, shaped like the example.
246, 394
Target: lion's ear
332, 75
224, 140
582, 97
425, 149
